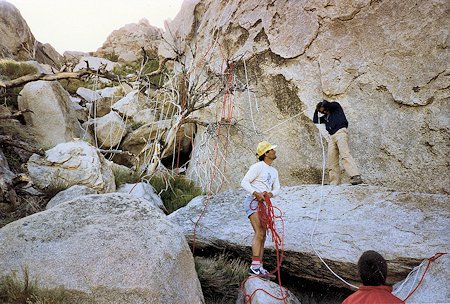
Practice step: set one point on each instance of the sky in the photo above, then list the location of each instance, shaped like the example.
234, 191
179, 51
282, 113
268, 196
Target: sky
84, 25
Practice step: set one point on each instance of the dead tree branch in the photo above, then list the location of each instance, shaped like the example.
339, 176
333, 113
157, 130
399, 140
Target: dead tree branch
195, 121
41, 76
160, 69
58, 76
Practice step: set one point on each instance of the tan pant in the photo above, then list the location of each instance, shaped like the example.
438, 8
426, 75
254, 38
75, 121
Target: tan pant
338, 148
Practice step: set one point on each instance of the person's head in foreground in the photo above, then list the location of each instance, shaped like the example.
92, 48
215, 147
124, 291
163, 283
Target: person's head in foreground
372, 268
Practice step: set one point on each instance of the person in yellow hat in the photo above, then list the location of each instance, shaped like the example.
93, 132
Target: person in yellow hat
260, 179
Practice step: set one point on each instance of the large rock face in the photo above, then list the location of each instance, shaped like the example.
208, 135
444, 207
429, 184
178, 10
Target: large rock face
53, 117
338, 222
115, 247
18, 42
127, 42
386, 62
109, 129
73, 163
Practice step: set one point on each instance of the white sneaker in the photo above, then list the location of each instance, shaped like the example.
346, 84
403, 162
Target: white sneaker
254, 270
266, 273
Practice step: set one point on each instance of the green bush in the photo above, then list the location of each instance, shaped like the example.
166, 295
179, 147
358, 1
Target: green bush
133, 68
125, 177
175, 192
220, 277
111, 56
72, 85
10, 69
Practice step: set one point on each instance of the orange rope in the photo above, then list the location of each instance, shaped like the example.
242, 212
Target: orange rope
226, 101
225, 116
266, 213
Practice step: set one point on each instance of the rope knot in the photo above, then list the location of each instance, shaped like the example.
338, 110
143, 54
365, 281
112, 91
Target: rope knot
436, 256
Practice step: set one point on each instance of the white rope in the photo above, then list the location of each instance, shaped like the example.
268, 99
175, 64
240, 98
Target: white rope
248, 95
256, 102
320, 202
283, 122
94, 115
317, 217
415, 270
121, 136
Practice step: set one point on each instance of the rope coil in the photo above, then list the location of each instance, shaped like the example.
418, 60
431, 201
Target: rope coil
266, 212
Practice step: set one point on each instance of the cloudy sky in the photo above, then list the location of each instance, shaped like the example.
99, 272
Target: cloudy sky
83, 25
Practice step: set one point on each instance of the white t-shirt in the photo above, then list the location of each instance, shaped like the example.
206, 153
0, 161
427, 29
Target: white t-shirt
260, 178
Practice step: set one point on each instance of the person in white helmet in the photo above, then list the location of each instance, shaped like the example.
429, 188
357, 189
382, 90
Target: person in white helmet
260, 179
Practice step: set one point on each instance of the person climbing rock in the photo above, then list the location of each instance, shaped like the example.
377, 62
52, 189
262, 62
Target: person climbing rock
336, 124
261, 179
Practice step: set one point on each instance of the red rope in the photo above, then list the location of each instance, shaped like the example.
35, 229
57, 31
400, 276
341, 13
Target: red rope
226, 116
266, 213
432, 259
227, 103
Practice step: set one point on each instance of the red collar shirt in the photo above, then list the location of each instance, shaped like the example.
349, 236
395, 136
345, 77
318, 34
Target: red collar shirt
373, 295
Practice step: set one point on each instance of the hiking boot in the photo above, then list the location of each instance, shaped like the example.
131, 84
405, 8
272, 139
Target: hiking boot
356, 180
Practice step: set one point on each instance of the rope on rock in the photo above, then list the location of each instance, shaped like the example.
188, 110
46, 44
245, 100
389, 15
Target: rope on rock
417, 270
317, 219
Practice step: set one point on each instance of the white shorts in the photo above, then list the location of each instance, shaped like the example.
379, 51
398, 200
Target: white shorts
250, 205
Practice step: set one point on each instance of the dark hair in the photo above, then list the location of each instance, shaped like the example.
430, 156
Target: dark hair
318, 106
261, 158
372, 268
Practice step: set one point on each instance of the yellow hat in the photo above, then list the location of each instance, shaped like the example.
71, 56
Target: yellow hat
263, 147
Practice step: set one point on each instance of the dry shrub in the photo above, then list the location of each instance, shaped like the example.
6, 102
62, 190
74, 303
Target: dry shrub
25, 290
10, 69
27, 204
220, 277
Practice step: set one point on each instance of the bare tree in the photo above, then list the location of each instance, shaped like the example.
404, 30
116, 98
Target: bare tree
187, 89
